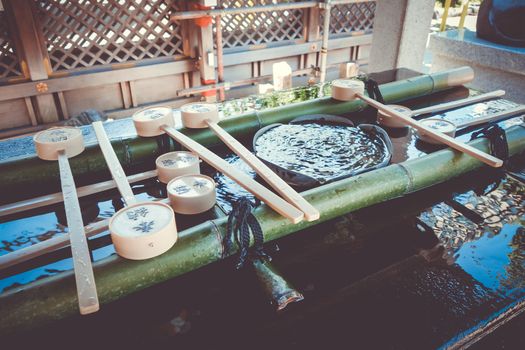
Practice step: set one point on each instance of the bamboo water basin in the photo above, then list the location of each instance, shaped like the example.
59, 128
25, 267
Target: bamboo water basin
405, 148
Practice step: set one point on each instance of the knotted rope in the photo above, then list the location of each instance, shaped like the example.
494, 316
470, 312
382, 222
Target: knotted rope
240, 223
372, 88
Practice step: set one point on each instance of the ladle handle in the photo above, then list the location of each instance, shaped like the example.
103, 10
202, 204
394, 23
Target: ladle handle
271, 199
459, 103
492, 117
85, 280
436, 135
278, 184
114, 165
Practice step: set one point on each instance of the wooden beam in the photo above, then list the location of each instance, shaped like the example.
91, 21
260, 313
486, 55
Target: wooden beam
126, 94
134, 99
269, 53
10, 92
312, 35
34, 58
31, 111
207, 58
63, 105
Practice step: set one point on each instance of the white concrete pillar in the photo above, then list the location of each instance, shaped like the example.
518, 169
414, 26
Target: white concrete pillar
401, 29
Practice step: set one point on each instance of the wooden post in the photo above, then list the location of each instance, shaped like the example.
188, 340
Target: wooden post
190, 46
207, 60
282, 76
312, 35
33, 58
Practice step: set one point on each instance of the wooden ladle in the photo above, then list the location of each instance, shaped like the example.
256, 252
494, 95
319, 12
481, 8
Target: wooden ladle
159, 120
141, 230
205, 115
385, 120
61, 143
351, 89
450, 128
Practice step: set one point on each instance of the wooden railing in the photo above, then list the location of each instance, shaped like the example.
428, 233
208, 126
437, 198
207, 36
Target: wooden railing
59, 58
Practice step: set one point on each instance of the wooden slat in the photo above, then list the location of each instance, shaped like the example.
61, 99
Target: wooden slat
126, 94
63, 105
102, 78
186, 79
10, 92
102, 98
34, 58
114, 165
31, 111
232, 59
134, 100
85, 280
53, 198
463, 102
13, 114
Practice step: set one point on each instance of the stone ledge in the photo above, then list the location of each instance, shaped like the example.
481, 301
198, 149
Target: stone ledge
467, 46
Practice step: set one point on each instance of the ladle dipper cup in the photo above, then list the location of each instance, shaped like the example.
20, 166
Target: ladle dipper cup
351, 89
141, 230
174, 164
191, 194
205, 115
61, 143
159, 120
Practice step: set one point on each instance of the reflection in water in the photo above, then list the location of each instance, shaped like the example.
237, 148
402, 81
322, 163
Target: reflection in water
505, 204
450, 227
493, 251
27, 231
24, 232
228, 190
496, 261
274, 99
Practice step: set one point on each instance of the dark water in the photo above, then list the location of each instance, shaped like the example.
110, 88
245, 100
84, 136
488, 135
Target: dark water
322, 152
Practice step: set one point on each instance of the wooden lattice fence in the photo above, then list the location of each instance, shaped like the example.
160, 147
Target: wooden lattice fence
249, 29
61, 57
346, 19
86, 33
9, 63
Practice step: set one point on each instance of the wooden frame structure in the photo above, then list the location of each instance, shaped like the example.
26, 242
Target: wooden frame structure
79, 54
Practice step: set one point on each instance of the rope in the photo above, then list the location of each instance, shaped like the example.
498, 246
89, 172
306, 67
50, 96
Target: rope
372, 88
240, 222
497, 137
499, 147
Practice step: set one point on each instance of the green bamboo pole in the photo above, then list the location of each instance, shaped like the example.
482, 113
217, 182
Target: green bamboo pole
54, 298
277, 289
20, 174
